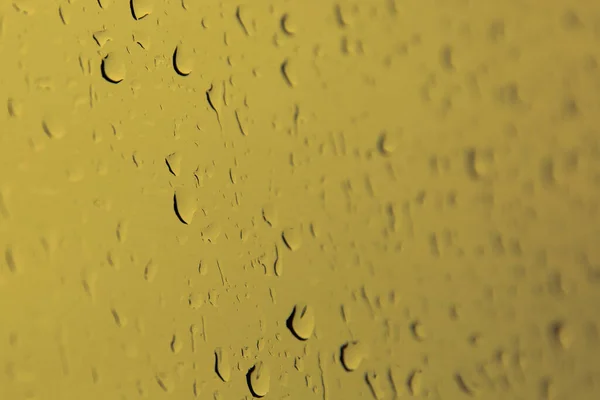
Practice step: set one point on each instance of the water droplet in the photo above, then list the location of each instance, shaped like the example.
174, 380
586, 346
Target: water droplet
104, 4
183, 60
174, 163
222, 365
113, 68
478, 163
53, 127
418, 330
259, 379
245, 20
185, 205
299, 364
292, 238
176, 344
242, 121
195, 301
352, 355
122, 229
65, 14
102, 37
288, 73
287, 26
24, 6
150, 271
302, 321
9, 257
140, 8
561, 335
387, 144
466, 385
270, 215
165, 382
211, 232
118, 318
415, 382
15, 108
374, 381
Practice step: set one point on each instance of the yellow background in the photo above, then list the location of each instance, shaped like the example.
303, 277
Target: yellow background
423, 175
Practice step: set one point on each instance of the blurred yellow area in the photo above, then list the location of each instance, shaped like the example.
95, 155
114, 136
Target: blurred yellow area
316, 199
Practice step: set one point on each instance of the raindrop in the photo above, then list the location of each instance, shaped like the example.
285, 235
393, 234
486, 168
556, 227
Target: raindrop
259, 379
292, 238
140, 8
386, 144
174, 163
102, 37
287, 73
352, 355
415, 382
183, 60
302, 321
113, 68
270, 215
195, 301
53, 127
418, 331
222, 365
15, 108
185, 205
287, 26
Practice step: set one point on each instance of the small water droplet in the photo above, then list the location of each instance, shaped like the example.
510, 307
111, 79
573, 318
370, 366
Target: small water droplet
561, 334
292, 238
113, 68
53, 127
387, 144
270, 215
374, 381
415, 382
183, 60
150, 271
140, 8
222, 365
287, 26
176, 344
287, 71
352, 355
24, 6
15, 108
185, 205
302, 321
259, 379
211, 232
418, 330
165, 382
174, 163
102, 37
195, 301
